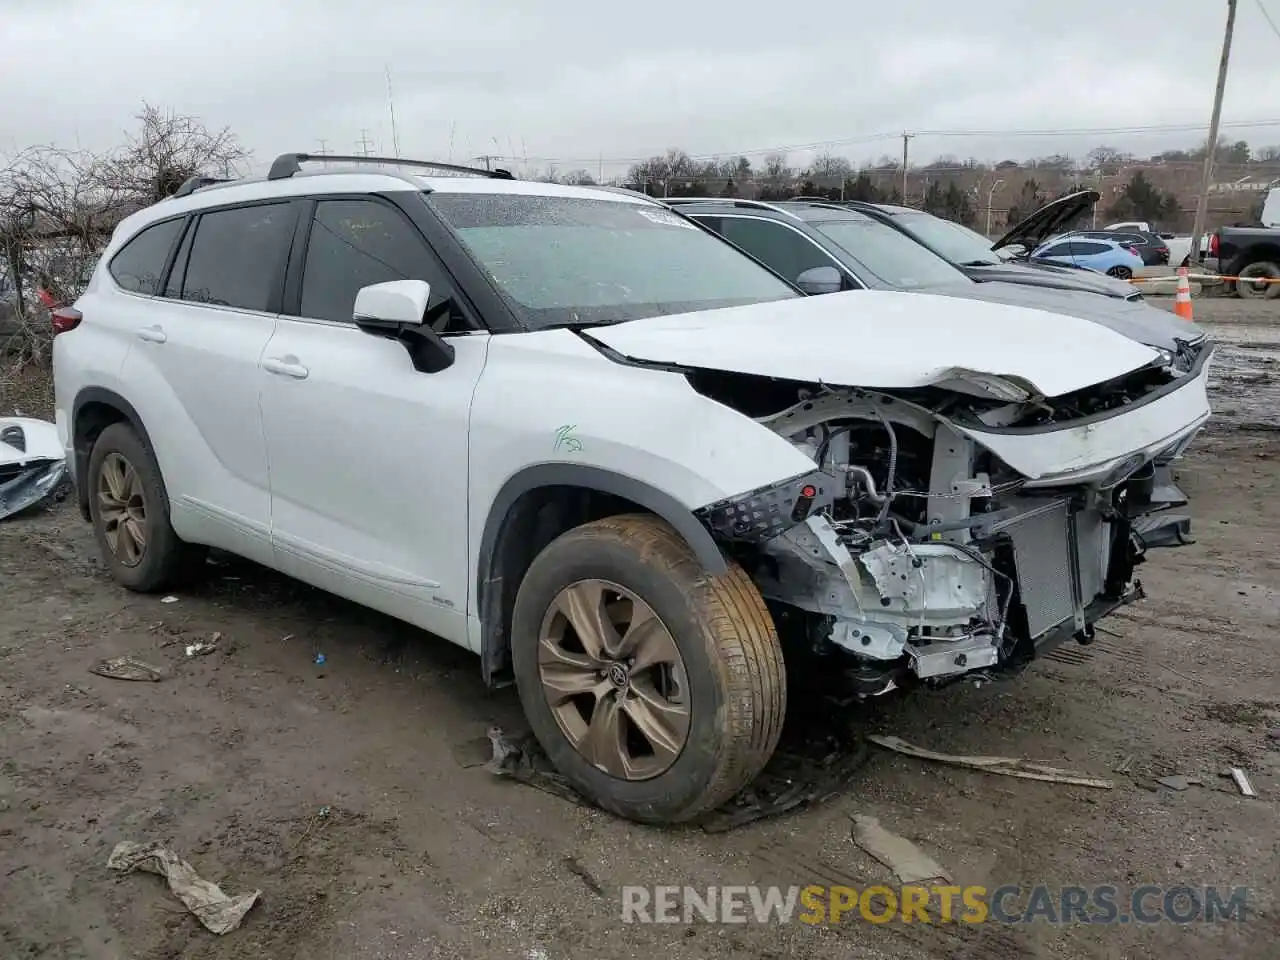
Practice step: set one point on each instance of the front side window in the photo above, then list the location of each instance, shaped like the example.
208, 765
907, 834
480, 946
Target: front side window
569, 261
140, 263
890, 258
357, 243
236, 256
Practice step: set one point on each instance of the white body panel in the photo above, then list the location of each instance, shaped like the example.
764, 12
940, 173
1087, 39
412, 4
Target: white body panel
368, 469
885, 340
196, 390
1078, 453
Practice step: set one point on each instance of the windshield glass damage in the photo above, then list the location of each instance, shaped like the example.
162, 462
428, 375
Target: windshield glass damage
575, 261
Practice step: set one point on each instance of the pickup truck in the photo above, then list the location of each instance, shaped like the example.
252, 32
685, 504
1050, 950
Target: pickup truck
1250, 252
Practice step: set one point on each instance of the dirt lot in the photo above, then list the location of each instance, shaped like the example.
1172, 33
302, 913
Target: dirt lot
233, 756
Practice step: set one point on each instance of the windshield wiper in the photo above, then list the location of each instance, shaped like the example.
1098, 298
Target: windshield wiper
981, 263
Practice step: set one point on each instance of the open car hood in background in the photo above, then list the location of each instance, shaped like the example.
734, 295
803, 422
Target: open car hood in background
1050, 219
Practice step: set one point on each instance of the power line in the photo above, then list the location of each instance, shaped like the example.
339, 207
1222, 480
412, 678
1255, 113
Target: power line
942, 133
1271, 23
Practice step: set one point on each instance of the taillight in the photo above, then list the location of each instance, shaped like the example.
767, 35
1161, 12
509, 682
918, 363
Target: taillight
65, 318
1213, 244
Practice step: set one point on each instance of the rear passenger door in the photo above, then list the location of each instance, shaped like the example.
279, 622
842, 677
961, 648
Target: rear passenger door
368, 455
193, 372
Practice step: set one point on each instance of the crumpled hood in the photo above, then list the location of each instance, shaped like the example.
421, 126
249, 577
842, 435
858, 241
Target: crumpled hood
1133, 319
885, 340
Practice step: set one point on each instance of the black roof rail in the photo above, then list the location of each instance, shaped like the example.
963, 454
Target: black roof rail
287, 164
192, 184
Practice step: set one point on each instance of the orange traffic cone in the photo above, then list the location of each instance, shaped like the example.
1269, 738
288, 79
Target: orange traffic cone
1182, 298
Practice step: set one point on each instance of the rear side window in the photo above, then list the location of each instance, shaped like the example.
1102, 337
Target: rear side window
356, 243
237, 255
1083, 248
777, 247
139, 265
1057, 250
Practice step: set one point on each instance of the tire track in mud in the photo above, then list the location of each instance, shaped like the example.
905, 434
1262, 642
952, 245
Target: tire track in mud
791, 864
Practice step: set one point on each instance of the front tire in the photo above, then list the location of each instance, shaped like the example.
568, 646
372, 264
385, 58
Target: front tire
658, 690
130, 512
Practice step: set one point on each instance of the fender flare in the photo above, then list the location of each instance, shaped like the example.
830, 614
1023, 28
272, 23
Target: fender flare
81, 453
681, 518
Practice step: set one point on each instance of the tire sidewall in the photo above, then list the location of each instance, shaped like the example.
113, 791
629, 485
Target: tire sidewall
1248, 291
567, 561
152, 570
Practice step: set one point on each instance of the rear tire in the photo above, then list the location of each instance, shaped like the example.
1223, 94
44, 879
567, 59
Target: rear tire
130, 512
724, 693
1120, 273
1265, 291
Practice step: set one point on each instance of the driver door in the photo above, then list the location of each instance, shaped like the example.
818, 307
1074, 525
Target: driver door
368, 456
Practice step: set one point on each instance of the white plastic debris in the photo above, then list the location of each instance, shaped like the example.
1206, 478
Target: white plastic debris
202, 647
213, 908
168, 599
1242, 781
32, 463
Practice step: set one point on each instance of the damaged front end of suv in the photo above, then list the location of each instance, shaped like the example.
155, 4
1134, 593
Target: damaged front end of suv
956, 530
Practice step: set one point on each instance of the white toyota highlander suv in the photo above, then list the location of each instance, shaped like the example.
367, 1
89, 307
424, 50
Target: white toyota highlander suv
631, 468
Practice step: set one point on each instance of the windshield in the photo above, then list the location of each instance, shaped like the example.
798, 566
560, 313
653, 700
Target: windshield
957, 243
889, 256
565, 261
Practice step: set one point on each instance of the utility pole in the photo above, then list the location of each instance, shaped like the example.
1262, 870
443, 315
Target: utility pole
905, 138
364, 145
1202, 205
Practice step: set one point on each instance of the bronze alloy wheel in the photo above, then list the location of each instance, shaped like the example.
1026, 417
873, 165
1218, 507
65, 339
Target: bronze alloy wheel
123, 509
614, 679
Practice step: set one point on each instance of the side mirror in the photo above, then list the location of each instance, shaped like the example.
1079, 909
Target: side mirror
817, 280
396, 302
397, 310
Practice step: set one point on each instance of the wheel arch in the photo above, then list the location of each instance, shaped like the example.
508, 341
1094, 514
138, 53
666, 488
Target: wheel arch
538, 504
95, 409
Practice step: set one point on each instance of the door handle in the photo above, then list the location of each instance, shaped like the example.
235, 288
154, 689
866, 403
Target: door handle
285, 367
152, 334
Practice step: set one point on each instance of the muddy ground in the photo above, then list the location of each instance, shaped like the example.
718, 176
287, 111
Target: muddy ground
232, 757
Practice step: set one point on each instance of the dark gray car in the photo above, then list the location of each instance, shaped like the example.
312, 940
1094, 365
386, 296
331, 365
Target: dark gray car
981, 260
825, 248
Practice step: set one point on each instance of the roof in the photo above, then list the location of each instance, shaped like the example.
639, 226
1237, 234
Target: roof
355, 180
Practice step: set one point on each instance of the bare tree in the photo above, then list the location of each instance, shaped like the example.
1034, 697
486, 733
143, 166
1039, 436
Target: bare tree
58, 212
167, 149
827, 168
58, 208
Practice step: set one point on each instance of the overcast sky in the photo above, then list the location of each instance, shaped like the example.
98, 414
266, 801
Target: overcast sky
574, 82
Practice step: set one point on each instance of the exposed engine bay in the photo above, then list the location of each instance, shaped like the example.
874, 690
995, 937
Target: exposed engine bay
914, 553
